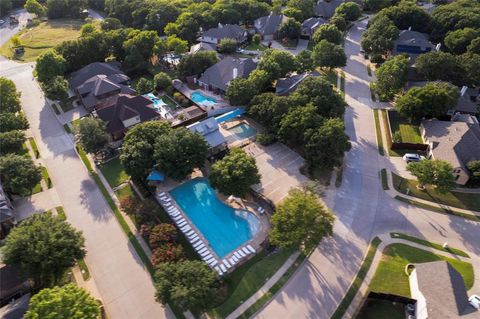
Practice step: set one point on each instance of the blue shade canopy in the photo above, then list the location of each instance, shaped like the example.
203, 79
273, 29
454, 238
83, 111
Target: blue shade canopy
156, 176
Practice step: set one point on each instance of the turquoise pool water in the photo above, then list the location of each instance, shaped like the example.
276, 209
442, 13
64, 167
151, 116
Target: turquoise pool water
222, 226
201, 99
230, 115
243, 131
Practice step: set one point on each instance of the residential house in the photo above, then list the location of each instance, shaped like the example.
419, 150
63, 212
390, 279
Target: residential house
326, 9
440, 292
224, 31
98, 84
13, 284
412, 43
286, 86
7, 218
211, 133
217, 77
15, 309
202, 46
126, 112
455, 142
268, 26
310, 25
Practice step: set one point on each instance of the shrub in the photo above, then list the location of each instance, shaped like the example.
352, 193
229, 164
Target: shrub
162, 234
167, 253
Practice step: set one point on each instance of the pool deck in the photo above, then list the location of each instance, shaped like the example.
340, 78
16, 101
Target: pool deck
250, 206
185, 90
231, 138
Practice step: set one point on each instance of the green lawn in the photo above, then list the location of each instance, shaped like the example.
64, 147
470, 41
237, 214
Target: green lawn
34, 146
248, 278
46, 177
378, 132
61, 212
390, 275
455, 199
357, 282
124, 192
170, 102
67, 104
43, 37
114, 172
429, 244
253, 47
83, 269
409, 132
378, 309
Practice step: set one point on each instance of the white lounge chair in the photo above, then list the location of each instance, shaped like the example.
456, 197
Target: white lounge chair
218, 270
241, 253
249, 247
171, 208
177, 216
226, 263
165, 199
237, 255
245, 250
198, 244
167, 204
224, 269
207, 256
232, 261
235, 259
180, 220
213, 263
181, 223
209, 260
190, 233
162, 193
199, 247
194, 238
185, 228
202, 250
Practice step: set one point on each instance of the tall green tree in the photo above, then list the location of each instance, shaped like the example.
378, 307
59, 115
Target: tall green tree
11, 142
305, 6
67, 302
470, 62
187, 284
351, 10
452, 16
144, 86
325, 146
235, 173
442, 66
34, 7
474, 46
179, 152
432, 100
162, 81
300, 220
227, 46
43, 247
406, 15
291, 29
9, 96
457, 41
197, 63
474, 169
268, 109
391, 77
378, 39
19, 174
328, 55
304, 61
12, 121
49, 65
240, 91
138, 147
56, 88
91, 134
328, 32
437, 173
297, 122
376, 5
177, 45
277, 63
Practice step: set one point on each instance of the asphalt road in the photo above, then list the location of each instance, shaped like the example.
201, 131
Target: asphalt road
362, 209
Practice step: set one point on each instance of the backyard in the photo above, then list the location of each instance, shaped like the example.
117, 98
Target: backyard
253, 47
43, 37
376, 308
390, 275
456, 199
402, 131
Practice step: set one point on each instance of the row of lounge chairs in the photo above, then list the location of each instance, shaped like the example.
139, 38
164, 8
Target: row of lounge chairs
197, 243
234, 259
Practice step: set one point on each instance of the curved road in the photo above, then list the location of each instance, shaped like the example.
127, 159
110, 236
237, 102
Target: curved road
363, 210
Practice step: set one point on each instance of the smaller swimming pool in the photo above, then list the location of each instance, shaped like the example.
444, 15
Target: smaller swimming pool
201, 99
242, 131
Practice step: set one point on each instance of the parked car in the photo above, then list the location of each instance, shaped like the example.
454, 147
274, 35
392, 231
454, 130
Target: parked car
411, 157
474, 301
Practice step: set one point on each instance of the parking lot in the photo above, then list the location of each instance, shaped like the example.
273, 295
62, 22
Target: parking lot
279, 167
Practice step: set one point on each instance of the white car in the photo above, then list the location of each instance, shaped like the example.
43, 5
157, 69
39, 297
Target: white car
411, 157
474, 301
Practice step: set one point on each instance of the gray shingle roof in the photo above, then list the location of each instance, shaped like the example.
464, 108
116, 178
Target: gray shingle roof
326, 9
79, 77
309, 25
269, 24
231, 31
209, 130
220, 74
444, 290
288, 85
409, 37
202, 46
455, 142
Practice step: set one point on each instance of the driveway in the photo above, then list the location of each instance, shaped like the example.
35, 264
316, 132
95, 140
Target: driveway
362, 210
122, 280
301, 46
279, 169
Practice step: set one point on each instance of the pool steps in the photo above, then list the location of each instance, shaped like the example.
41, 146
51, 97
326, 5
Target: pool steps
221, 267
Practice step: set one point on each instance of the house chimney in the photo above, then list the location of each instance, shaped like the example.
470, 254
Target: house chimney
463, 90
235, 73
437, 47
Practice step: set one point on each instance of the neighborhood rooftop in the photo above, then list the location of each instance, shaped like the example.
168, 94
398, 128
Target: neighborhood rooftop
326, 9
288, 85
270, 24
220, 74
79, 77
209, 130
231, 31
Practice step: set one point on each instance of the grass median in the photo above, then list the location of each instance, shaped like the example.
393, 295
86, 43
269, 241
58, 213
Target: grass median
430, 244
378, 132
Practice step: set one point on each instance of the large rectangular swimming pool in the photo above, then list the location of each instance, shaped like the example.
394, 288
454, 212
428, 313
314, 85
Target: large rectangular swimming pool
242, 131
223, 227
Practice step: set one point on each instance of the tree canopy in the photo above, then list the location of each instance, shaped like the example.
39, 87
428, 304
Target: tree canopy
437, 173
179, 152
328, 55
194, 64
277, 63
19, 174
378, 39
440, 66
43, 247
455, 15
138, 147
187, 284
297, 123
351, 10
328, 32
227, 46
235, 173
11, 142
162, 81
306, 7
432, 100
91, 134
300, 220
268, 109
240, 91
56, 88
291, 29
12, 121
391, 77
458, 40
34, 7
406, 15
9, 96
66, 302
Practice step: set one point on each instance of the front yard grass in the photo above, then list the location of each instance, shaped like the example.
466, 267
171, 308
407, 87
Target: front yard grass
114, 172
43, 37
124, 192
430, 244
330, 75
390, 275
254, 47
378, 132
455, 199
409, 132
249, 278
46, 177
34, 146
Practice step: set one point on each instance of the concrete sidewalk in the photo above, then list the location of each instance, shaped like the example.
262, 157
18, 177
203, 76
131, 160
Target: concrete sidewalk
388, 240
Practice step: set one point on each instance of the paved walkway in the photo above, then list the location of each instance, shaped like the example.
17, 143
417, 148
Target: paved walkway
388, 240
265, 288
35, 204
